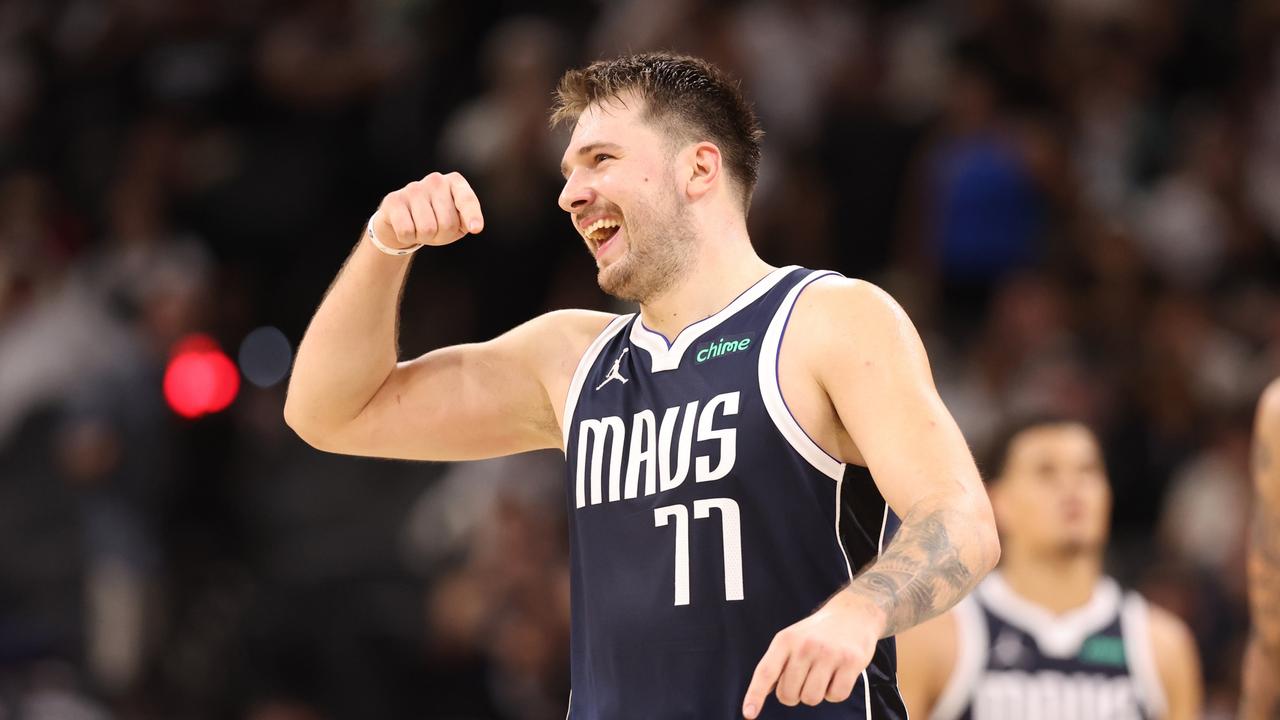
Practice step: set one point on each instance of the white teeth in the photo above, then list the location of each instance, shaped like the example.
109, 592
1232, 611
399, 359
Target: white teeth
599, 225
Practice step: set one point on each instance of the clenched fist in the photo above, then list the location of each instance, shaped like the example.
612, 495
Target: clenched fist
436, 210
819, 658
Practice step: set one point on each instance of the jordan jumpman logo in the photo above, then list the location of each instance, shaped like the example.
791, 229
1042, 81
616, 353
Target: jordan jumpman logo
614, 372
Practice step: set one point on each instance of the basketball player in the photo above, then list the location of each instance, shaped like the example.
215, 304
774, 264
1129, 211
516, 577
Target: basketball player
1261, 699
737, 449
1048, 635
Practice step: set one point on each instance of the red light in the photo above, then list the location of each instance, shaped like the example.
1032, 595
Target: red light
200, 378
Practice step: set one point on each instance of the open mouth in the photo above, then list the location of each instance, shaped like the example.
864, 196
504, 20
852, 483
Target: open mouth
600, 232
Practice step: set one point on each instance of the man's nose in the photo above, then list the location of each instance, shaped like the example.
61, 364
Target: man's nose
575, 194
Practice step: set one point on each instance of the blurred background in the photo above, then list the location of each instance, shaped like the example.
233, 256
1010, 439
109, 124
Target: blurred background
1078, 201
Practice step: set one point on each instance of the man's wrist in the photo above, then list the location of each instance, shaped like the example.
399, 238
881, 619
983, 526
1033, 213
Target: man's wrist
863, 602
387, 249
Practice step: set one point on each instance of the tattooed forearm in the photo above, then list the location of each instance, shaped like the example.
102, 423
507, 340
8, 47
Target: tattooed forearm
924, 571
1261, 697
1264, 578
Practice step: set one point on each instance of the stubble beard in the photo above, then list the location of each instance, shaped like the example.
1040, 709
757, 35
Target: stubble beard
1071, 548
659, 254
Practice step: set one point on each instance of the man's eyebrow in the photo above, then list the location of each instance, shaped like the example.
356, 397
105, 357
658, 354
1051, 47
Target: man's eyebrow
587, 150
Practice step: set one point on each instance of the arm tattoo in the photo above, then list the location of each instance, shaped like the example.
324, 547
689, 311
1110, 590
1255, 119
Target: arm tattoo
921, 574
1262, 661
1264, 579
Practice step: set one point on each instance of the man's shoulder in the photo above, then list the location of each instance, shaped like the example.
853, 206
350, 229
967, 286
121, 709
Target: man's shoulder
575, 323
1168, 629
576, 320
835, 298
837, 312
560, 337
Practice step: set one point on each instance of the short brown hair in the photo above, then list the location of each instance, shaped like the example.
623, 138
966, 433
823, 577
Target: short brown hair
996, 458
696, 97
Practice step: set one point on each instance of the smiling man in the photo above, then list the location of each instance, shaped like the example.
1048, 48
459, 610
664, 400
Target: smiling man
738, 450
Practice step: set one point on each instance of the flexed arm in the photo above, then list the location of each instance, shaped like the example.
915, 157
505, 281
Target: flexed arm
349, 349
349, 394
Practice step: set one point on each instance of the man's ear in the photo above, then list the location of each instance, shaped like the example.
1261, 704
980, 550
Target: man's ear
703, 168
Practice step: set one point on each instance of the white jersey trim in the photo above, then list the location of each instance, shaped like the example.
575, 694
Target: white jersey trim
585, 363
884, 522
971, 661
770, 390
866, 694
1135, 628
666, 356
1058, 636
839, 540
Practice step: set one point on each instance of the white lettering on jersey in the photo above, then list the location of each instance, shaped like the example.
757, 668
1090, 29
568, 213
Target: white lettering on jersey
727, 437
1050, 695
648, 444
605, 430
670, 480
644, 445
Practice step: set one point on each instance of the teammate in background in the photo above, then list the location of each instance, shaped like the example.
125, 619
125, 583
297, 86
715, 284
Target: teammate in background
1261, 696
1048, 635
736, 451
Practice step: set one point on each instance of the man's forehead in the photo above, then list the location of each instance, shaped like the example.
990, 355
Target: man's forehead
601, 119
1051, 440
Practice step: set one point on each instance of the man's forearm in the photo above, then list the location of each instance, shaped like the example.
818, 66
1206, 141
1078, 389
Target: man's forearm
939, 554
350, 346
1261, 698
1261, 692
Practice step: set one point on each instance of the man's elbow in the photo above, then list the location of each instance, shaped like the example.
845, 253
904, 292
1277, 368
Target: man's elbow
986, 538
300, 427
295, 416
989, 545
306, 426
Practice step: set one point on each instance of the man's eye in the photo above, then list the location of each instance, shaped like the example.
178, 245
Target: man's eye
601, 157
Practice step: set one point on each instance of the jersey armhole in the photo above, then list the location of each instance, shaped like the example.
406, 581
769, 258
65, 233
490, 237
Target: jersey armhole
971, 659
580, 373
1135, 628
771, 390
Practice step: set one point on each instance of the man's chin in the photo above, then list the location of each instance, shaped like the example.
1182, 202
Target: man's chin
615, 279
1074, 547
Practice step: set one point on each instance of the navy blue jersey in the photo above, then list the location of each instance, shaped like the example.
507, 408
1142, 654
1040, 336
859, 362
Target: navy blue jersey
703, 519
1018, 660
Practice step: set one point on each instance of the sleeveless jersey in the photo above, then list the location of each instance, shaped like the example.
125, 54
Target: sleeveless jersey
1018, 660
703, 519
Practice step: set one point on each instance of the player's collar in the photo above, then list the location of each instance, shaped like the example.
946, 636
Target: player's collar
666, 355
1057, 635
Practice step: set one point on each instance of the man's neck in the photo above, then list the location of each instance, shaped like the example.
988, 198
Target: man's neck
1058, 583
724, 267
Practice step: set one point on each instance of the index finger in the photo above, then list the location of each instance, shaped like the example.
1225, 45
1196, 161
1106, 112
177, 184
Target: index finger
468, 205
768, 670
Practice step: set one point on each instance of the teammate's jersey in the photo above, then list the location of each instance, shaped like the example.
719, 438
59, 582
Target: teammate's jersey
703, 519
1017, 661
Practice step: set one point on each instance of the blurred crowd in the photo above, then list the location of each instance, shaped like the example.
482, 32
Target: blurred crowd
1078, 202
